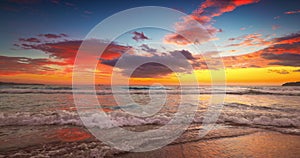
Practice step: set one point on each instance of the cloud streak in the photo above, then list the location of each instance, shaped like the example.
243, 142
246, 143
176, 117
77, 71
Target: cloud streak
292, 12
55, 36
282, 51
22, 65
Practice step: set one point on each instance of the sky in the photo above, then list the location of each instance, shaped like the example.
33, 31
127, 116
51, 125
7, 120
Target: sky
257, 42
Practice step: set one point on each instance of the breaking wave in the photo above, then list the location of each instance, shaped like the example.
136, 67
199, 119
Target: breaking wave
143, 90
232, 113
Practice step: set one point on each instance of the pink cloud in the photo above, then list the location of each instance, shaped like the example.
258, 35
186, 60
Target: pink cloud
254, 39
292, 12
204, 15
275, 27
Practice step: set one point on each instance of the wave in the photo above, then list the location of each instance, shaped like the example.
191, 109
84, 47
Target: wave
106, 90
34, 87
256, 116
140, 91
267, 108
147, 88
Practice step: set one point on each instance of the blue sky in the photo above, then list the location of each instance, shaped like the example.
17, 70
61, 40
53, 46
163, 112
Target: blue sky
77, 18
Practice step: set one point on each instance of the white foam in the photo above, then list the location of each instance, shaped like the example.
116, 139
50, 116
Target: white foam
122, 119
290, 91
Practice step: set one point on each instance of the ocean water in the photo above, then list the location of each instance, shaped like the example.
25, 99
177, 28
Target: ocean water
42, 120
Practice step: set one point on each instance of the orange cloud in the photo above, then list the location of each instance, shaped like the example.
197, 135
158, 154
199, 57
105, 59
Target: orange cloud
22, 65
61, 56
282, 51
66, 50
289, 39
220, 7
204, 14
279, 52
250, 40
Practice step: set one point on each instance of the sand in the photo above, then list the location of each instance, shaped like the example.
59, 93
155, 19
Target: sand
224, 141
260, 145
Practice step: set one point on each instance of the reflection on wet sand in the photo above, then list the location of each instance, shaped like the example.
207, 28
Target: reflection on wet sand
72, 134
261, 144
223, 141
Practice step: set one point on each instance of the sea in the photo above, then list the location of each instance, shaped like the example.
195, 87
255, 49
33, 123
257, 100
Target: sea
43, 120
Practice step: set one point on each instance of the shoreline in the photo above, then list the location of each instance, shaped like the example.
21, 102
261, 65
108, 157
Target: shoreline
258, 144
224, 141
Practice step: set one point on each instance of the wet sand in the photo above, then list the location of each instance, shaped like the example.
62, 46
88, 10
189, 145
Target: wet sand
224, 141
260, 145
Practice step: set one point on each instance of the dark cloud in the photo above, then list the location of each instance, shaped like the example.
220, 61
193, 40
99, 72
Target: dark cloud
60, 50
254, 66
67, 50
41, 38
146, 48
61, 53
108, 62
200, 64
185, 53
150, 70
297, 70
289, 39
283, 72
139, 36
30, 40
150, 66
50, 35
285, 59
